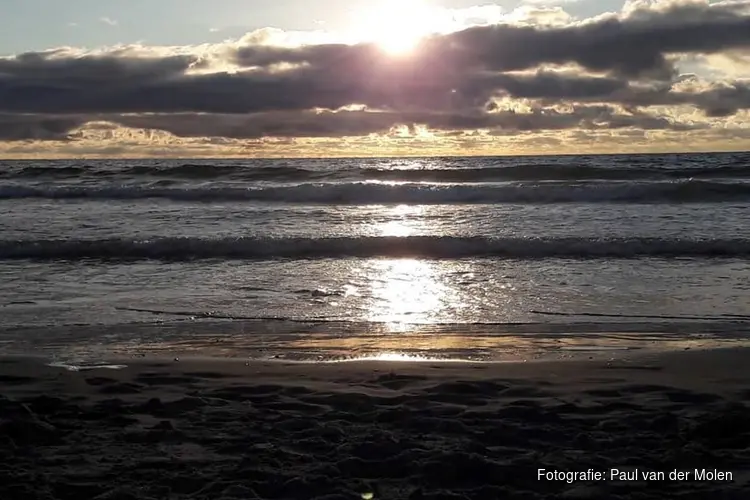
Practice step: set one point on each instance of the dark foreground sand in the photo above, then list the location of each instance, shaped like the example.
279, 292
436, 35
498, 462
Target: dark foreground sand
224, 430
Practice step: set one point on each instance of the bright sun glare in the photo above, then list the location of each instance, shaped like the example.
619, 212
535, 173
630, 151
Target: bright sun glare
397, 26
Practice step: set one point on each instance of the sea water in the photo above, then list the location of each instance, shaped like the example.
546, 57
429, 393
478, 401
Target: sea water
477, 258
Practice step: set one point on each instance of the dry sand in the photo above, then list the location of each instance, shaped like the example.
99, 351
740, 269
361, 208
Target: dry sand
227, 430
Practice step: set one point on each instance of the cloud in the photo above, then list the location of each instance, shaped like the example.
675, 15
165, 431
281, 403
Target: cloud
107, 20
715, 99
634, 44
360, 122
334, 124
612, 72
42, 128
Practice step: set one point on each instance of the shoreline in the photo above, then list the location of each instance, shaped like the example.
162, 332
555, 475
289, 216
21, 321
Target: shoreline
348, 342
574, 361
231, 429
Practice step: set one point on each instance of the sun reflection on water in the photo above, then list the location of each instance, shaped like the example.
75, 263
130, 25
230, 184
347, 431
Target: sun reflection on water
405, 291
402, 220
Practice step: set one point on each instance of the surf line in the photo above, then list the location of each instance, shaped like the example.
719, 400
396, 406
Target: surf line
729, 317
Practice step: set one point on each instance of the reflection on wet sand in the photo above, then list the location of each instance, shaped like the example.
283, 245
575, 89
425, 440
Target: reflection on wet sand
489, 347
330, 342
403, 357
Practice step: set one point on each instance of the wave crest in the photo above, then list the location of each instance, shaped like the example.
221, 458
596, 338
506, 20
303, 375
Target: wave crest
379, 193
481, 170
429, 247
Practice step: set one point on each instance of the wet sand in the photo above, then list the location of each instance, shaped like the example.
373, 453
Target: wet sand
214, 429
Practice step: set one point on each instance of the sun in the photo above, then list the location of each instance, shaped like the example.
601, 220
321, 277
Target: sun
397, 26
399, 43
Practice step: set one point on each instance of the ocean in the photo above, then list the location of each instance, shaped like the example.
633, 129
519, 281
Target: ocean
329, 259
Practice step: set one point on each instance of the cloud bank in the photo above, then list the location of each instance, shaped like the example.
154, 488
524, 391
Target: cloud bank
536, 82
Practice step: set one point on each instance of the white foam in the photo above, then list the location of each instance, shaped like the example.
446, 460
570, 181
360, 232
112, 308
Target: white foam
78, 368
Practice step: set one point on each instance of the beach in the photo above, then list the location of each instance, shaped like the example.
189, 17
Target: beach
233, 429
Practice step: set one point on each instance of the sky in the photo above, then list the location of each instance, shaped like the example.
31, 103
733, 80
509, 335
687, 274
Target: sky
288, 78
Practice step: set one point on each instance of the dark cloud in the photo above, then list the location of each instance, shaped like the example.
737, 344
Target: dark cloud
395, 89
118, 67
356, 123
634, 46
720, 100
323, 124
33, 127
716, 100
724, 100
450, 83
552, 85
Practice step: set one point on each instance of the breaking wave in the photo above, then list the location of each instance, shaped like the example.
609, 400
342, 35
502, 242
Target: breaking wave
692, 191
648, 169
238, 172
552, 172
430, 247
